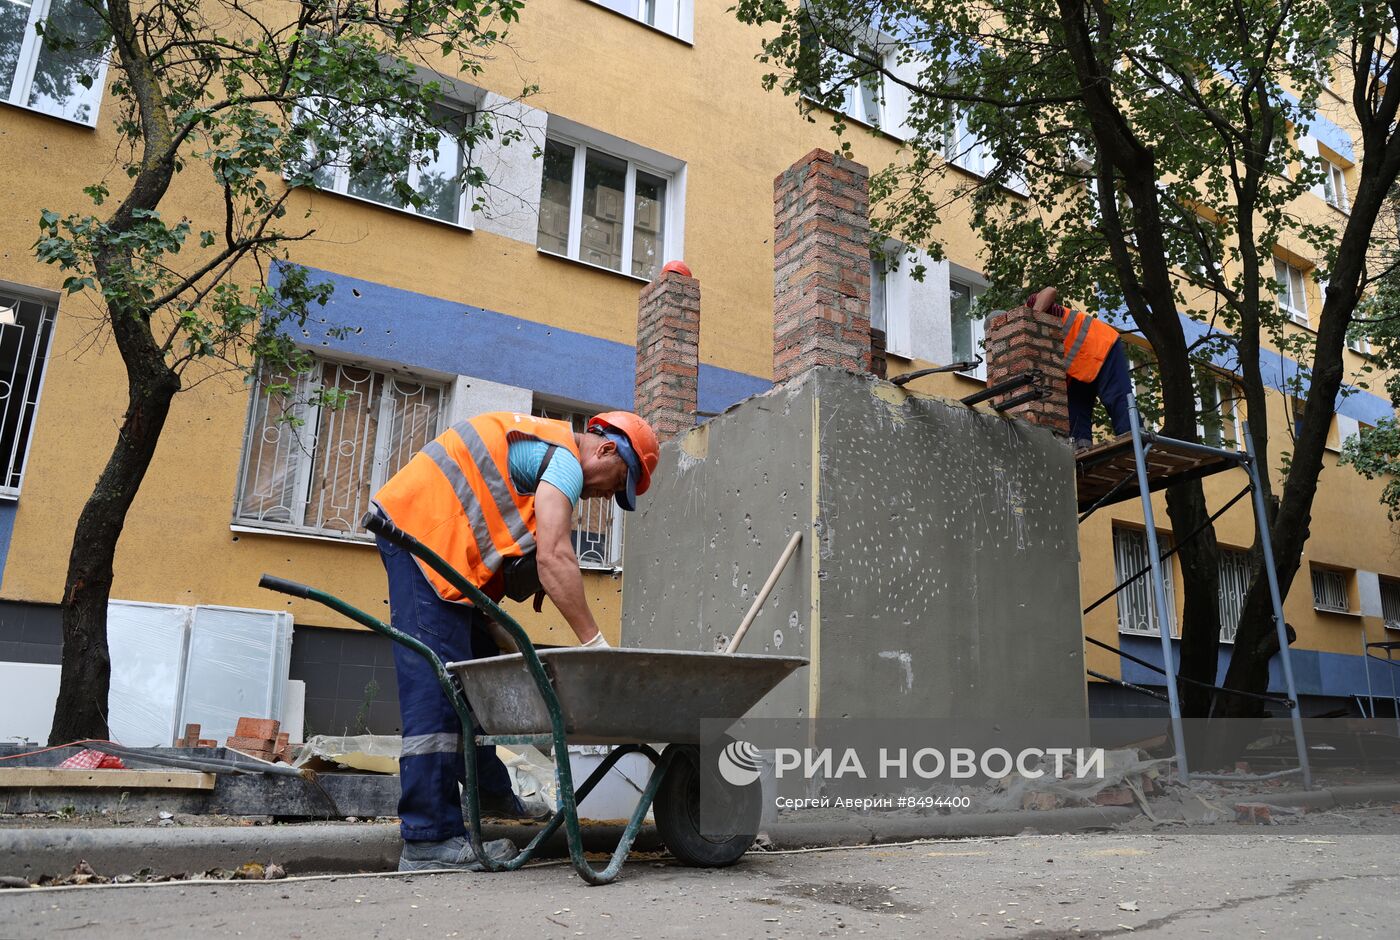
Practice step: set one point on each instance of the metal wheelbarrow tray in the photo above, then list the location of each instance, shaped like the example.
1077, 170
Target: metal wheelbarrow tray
620, 696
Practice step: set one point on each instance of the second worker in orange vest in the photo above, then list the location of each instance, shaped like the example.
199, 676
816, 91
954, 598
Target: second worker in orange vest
1096, 366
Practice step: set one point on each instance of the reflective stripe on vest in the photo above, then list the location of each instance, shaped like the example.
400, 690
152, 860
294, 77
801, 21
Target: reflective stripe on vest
455, 496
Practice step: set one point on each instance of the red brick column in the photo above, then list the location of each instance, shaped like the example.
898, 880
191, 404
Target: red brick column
668, 353
1020, 340
821, 277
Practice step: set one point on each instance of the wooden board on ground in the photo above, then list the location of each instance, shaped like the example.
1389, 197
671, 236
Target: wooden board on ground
109, 779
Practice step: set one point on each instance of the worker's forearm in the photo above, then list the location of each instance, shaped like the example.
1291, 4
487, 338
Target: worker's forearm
563, 582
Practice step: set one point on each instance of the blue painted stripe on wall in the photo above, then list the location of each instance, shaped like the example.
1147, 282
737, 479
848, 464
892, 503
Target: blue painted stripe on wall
1338, 675
8, 510
1279, 372
417, 330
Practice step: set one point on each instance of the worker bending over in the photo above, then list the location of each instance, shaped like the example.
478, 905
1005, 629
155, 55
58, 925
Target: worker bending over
1096, 366
495, 497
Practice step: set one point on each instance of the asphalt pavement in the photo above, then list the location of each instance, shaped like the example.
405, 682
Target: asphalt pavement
1316, 879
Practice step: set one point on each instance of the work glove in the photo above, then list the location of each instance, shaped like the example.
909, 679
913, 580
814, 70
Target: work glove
597, 642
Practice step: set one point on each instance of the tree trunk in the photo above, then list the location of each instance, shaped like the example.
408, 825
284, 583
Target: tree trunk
81, 710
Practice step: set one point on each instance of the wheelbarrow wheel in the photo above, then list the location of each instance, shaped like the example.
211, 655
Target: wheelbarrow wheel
731, 820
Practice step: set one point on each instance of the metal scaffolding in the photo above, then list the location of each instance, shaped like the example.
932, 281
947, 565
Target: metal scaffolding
1154, 462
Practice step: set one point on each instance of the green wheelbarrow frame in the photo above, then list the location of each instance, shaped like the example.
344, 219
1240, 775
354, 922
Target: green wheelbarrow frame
569, 798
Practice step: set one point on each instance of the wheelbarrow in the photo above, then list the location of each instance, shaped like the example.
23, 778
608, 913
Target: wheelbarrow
633, 699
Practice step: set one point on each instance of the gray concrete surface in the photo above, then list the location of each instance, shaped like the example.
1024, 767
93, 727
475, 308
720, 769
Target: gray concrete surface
927, 525
1283, 883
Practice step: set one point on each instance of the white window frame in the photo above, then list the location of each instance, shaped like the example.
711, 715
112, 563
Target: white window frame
1128, 561
963, 148
1329, 590
28, 59
340, 178
1390, 602
610, 559
1334, 185
978, 325
1236, 575
1225, 394
33, 385
672, 232
675, 18
1295, 307
299, 437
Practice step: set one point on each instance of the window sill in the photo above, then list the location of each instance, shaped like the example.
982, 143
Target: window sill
245, 529
458, 226
73, 122
1337, 612
688, 43
590, 265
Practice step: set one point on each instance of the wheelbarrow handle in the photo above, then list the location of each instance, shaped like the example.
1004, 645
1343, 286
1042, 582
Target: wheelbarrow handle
384, 528
282, 585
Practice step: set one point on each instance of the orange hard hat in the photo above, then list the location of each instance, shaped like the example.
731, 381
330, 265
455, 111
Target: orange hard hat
642, 438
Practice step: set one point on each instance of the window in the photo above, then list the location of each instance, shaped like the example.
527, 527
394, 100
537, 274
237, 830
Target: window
968, 330
1136, 607
1236, 573
603, 209
879, 275
1329, 590
313, 469
1292, 295
597, 530
1390, 603
1217, 410
438, 180
963, 148
53, 73
675, 17
1334, 185
26, 327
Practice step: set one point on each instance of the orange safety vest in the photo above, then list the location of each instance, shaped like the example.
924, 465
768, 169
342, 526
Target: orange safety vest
455, 496
1087, 342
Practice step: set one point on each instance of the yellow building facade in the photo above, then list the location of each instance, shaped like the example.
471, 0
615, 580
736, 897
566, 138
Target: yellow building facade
658, 142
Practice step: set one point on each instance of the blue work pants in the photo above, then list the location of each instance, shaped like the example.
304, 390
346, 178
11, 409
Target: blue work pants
1111, 386
431, 767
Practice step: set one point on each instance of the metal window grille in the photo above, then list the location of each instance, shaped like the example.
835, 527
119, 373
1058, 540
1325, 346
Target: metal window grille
1136, 611
313, 469
26, 328
1236, 573
1329, 589
1390, 603
597, 531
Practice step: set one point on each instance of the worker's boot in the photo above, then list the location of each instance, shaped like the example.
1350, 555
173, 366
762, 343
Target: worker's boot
509, 806
455, 854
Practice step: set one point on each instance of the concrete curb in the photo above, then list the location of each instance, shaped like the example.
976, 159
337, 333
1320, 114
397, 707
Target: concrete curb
306, 849
335, 848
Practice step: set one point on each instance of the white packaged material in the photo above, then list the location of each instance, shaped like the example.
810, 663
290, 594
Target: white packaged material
237, 666
28, 692
148, 644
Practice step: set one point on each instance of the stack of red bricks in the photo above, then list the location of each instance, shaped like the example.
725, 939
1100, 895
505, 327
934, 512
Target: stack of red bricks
261, 738
192, 738
1019, 341
821, 256
668, 353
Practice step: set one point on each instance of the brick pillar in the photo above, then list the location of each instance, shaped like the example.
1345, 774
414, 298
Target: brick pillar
821, 254
1020, 340
668, 353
